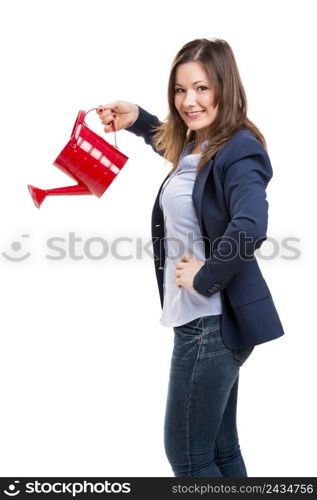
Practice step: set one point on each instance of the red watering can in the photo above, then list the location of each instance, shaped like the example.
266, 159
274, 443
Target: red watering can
87, 158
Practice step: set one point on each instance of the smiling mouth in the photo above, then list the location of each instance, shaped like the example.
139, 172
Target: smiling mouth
194, 113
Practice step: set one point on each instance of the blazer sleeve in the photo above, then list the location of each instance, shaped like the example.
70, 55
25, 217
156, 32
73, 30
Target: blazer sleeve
143, 127
245, 175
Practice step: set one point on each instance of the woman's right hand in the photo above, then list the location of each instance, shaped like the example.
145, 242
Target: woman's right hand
117, 115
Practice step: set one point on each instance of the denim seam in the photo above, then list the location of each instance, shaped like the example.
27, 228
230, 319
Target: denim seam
210, 329
213, 329
189, 397
198, 325
211, 354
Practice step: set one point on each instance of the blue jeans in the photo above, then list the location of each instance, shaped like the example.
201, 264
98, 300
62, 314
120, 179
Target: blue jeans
200, 430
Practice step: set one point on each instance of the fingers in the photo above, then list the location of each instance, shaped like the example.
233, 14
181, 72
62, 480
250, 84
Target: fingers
185, 258
108, 119
102, 113
179, 265
178, 279
103, 107
111, 127
105, 114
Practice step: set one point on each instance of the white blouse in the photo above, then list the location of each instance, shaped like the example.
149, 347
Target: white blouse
182, 236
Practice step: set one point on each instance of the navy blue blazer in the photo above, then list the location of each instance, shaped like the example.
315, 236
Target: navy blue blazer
229, 199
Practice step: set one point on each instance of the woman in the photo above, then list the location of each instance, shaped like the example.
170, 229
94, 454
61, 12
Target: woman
209, 217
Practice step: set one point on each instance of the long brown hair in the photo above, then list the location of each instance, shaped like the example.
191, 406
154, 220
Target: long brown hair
218, 59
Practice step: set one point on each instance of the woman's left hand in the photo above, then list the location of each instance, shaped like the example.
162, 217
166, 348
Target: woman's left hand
186, 268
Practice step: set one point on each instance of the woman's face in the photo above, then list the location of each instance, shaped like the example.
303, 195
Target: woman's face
194, 96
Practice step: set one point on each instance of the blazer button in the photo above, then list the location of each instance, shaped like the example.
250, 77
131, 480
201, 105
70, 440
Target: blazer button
217, 285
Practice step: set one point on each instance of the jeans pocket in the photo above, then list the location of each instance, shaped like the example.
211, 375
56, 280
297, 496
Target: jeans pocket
241, 355
212, 342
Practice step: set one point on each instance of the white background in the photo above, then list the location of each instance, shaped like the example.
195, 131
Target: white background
84, 359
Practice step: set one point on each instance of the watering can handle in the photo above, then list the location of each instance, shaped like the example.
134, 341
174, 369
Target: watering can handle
80, 121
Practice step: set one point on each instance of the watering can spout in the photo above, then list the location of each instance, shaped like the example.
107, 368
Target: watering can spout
39, 195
